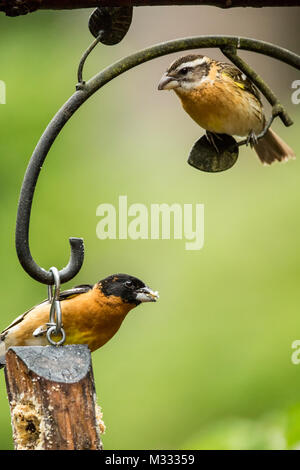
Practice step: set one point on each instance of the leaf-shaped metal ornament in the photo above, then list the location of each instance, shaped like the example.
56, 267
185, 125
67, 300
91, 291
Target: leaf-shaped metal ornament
214, 153
113, 22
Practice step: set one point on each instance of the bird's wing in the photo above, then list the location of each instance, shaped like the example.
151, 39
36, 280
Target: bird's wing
240, 79
82, 289
65, 295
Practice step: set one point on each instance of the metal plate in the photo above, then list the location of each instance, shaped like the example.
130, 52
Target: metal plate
214, 158
113, 21
67, 364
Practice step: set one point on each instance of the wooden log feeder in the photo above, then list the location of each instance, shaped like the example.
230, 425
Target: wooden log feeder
52, 398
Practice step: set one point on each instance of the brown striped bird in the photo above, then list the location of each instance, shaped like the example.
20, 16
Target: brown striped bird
222, 100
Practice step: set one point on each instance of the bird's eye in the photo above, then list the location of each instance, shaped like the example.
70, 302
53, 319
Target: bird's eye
184, 71
129, 284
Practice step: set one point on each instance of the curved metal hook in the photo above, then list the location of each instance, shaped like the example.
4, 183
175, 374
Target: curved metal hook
79, 97
24, 210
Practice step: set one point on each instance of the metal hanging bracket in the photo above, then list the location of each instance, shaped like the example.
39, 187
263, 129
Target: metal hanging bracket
228, 44
55, 327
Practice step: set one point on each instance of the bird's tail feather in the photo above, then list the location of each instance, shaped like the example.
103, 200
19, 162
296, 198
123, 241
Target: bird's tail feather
2, 354
271, 148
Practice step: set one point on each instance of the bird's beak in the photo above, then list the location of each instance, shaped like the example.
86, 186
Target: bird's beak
167, 83
146, 295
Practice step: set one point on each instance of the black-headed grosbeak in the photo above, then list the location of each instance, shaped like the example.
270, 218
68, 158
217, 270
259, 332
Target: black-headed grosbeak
222, 100
91, 314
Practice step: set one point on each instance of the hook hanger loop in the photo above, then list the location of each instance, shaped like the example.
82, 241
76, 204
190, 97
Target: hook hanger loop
55, 326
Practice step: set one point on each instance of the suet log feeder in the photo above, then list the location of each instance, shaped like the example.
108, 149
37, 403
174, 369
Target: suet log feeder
52, 398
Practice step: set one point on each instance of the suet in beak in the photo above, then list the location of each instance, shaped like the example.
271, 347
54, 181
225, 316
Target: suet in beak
145, 294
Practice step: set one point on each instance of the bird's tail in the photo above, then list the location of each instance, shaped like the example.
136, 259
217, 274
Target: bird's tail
271, 148
2, 354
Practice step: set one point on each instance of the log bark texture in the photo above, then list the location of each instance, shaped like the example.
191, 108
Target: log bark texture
21, 7
52, 398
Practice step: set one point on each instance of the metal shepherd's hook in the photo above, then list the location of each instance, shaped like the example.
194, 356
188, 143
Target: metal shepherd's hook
228, 44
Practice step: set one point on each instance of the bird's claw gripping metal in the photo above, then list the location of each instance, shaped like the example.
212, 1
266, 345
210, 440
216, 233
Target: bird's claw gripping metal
214, 153
252, 139
213, 140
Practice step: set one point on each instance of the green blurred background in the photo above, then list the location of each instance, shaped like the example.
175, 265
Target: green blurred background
209, 365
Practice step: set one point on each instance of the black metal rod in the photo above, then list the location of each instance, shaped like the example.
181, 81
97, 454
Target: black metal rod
77, 99
21, 7
25, 204
85, 56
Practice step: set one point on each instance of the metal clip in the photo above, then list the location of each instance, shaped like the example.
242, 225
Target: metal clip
55, 326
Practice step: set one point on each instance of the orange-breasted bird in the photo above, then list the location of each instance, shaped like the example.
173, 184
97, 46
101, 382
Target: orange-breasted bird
90, 314
222, 100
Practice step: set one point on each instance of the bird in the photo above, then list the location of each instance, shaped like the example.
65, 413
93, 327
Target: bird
223, 100
91, 314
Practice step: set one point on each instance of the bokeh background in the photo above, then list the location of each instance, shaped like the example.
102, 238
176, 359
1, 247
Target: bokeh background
208, 366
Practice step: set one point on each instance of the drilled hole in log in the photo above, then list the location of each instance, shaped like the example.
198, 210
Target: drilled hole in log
31, 427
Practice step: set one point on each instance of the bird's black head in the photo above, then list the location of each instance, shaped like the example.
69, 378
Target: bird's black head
129, 288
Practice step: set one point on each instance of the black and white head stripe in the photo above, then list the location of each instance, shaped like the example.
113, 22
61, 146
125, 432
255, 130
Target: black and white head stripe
189, 61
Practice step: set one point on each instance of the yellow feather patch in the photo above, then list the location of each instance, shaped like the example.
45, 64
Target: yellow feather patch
239, 84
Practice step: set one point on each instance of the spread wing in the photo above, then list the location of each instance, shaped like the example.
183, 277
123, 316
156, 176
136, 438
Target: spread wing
240, 79
65, 295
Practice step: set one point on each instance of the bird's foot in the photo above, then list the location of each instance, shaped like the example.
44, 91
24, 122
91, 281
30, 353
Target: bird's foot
212, 139
252, 139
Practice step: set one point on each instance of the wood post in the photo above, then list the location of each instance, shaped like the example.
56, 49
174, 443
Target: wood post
52, 398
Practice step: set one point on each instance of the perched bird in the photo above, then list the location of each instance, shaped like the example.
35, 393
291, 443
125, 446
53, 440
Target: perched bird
90, 314
222, 100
